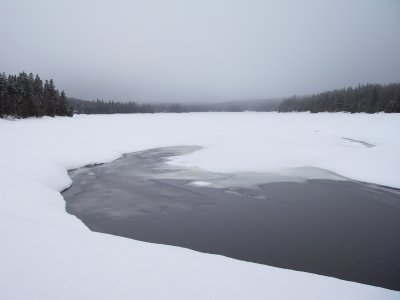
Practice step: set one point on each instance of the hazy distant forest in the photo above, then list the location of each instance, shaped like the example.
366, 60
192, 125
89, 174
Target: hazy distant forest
370, 98
110, 107
24, 95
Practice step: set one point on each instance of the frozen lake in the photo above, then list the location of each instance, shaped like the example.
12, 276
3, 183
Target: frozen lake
332, 227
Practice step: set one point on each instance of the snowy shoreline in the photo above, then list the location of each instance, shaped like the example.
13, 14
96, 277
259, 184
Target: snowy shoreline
74, 263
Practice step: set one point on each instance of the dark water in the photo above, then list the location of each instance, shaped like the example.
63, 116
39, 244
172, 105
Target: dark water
340, 229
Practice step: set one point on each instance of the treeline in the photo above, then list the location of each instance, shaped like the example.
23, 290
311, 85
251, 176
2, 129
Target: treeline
24, 95
112, 107
370, 98
231, 106
108, 107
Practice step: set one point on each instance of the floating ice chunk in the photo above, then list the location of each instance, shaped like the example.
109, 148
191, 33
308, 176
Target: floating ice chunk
200, 183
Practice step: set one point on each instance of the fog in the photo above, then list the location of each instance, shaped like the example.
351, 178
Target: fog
209, 50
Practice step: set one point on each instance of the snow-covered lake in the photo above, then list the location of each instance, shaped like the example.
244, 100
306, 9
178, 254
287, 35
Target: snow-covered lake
47, 253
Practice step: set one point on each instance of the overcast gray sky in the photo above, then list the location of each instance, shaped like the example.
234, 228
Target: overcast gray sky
203, 50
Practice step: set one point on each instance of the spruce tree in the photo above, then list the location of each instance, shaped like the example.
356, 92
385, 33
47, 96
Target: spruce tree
37, 88
62, 109
3, 95
373, 103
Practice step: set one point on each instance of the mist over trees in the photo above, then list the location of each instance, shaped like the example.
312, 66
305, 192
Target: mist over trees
370, 98
112, 107
23, 96
108, 107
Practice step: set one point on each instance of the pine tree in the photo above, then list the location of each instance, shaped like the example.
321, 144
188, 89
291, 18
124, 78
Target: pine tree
12, 95
37, 88
25, 95
373, 103
62, 109
46, 98
3, 95
52, 99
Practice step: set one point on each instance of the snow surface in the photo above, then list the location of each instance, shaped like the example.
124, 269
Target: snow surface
46, 253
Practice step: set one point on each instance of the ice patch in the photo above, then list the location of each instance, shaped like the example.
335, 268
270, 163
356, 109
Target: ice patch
200, 183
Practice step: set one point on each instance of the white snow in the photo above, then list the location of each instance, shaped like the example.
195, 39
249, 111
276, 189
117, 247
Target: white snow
46, 253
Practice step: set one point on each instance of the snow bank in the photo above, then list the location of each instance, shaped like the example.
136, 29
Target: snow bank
46, 253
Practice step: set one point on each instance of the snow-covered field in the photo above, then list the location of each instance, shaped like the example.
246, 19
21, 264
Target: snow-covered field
46, 253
